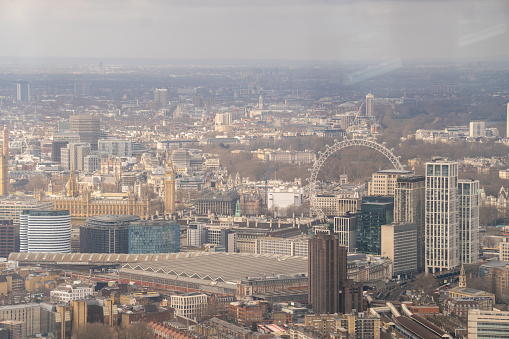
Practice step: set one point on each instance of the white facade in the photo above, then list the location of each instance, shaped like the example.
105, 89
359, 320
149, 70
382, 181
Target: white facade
68, 293
190, 306
344, 227
477, 129
224, 119
283, 246
196, 235
45, 231
442, 222
468, 194
285, 197
116, 147
504, 250
488, 324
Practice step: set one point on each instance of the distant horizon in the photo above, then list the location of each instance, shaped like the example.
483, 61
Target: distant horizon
299, 30
134, 61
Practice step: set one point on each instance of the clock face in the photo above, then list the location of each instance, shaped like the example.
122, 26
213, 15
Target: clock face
168, 177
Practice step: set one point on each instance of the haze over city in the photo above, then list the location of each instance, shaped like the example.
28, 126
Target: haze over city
338, 31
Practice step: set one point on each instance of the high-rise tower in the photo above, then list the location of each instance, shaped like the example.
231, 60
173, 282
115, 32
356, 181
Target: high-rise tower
507, 133
21, 91
169, 189
468, 195
88, 127
4, 163
260, 102
409, 208
370, 103
329, 289
442, 222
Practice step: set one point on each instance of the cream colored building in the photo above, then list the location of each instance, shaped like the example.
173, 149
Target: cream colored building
384, 182
30, 314
488, 324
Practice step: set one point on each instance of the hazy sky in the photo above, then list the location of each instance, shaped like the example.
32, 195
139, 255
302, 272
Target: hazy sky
340, 30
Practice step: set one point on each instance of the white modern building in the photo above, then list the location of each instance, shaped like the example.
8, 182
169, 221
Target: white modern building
224, 119
488, 324
297, 247
45, 231
285, 197
441, 212
477, 129
190, 305
469, 197
196, 235
116, 147
68, 293
344, 227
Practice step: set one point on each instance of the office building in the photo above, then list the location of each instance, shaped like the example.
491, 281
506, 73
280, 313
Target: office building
334, 205
161, 96
12, 206
45, 231
190, 305
477, 129
116, 147
224, 119
329, 289
56, 149
442, 222
15, 329
106, 234
82, 88
399, 243
488, 324
384, 182
196, 235
161, 236
409, 208
374, 212
345, 228
9, 237
298, 247
29, 314
4, 163
507, 133
91, 163
219, 203
88, 127
468, 204
67, 293
73, 155
370, 105
21, 91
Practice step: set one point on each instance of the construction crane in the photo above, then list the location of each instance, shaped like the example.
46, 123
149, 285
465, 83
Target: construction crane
266, 174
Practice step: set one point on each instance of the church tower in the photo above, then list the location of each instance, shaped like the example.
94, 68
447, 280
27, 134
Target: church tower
4, 163
72, 186
260, 102
462, 278
169, 189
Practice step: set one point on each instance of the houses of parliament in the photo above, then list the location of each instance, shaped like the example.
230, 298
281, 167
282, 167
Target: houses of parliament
81, 203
